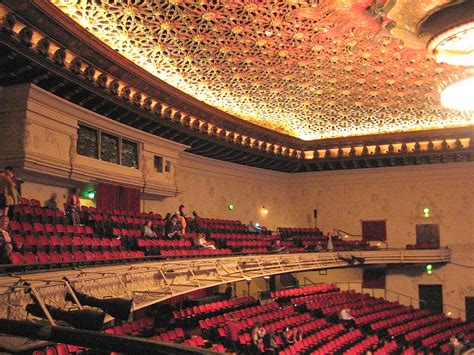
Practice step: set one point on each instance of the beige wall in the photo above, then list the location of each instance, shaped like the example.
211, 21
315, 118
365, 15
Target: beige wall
209, 186
397, 195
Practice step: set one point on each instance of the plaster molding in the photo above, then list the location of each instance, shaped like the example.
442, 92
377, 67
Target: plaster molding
67, 108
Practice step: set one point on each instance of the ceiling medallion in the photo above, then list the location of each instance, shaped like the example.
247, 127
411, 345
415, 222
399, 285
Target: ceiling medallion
291, 66
454, 46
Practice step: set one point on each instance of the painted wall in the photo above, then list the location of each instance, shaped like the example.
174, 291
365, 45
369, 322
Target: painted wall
209, 186
398, 195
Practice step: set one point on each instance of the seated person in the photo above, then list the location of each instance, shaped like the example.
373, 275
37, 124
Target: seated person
173, 229
346, 317
51, 203
203, 243
192, 223
297, 336
276, 246
147, 231
251, 227
269, 343
287, 337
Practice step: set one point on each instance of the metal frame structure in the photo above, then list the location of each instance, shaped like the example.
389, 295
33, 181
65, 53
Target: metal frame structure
152, 282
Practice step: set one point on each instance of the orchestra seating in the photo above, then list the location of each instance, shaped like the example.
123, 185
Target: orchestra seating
381, 327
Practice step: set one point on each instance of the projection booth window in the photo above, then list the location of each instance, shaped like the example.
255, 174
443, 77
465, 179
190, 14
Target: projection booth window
87, 142
94, 143
129, 154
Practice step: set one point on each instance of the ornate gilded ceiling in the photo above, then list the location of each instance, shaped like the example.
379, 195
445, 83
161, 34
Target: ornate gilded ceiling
310, 69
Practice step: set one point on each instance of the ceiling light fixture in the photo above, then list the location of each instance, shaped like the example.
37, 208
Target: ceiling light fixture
458, 95
454, 46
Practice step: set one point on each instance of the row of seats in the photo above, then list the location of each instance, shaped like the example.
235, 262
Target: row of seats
120, 213
298, 230
219, 321
295, 292
444, 335
137, 327
29, 258
431, 328
336, 344
242, 236
195, 252
37, 228
59, 349
316, 339
66, 243
406, 327
395, 319
278, 325
210, 309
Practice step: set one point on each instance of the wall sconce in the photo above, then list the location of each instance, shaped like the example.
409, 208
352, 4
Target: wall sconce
426, 212
264, 210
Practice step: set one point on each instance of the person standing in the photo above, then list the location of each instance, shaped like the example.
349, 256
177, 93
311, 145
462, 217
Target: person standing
256, 336
228, 291
6, 244
9, 194
233, 329
73, 206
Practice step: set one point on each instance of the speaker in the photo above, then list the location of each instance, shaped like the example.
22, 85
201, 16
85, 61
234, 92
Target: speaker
315, 213
87, 319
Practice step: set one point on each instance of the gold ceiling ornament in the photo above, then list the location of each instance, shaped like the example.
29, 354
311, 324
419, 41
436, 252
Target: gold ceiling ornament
292, 66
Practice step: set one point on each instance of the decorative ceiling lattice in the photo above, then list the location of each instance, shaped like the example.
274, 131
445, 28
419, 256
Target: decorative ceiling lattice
311, 69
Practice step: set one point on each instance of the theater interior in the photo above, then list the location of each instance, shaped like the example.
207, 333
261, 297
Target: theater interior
240, 164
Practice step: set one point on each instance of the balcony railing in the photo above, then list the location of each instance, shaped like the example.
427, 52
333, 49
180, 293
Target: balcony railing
151, 282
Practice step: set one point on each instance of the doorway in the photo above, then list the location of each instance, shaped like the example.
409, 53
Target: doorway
431, 298
374, 231
470, 309
427, 234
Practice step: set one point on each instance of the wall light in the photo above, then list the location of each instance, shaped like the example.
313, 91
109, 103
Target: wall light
231, 207
264, 210
426, 212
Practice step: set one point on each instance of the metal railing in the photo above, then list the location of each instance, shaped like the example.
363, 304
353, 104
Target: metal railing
344, 235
